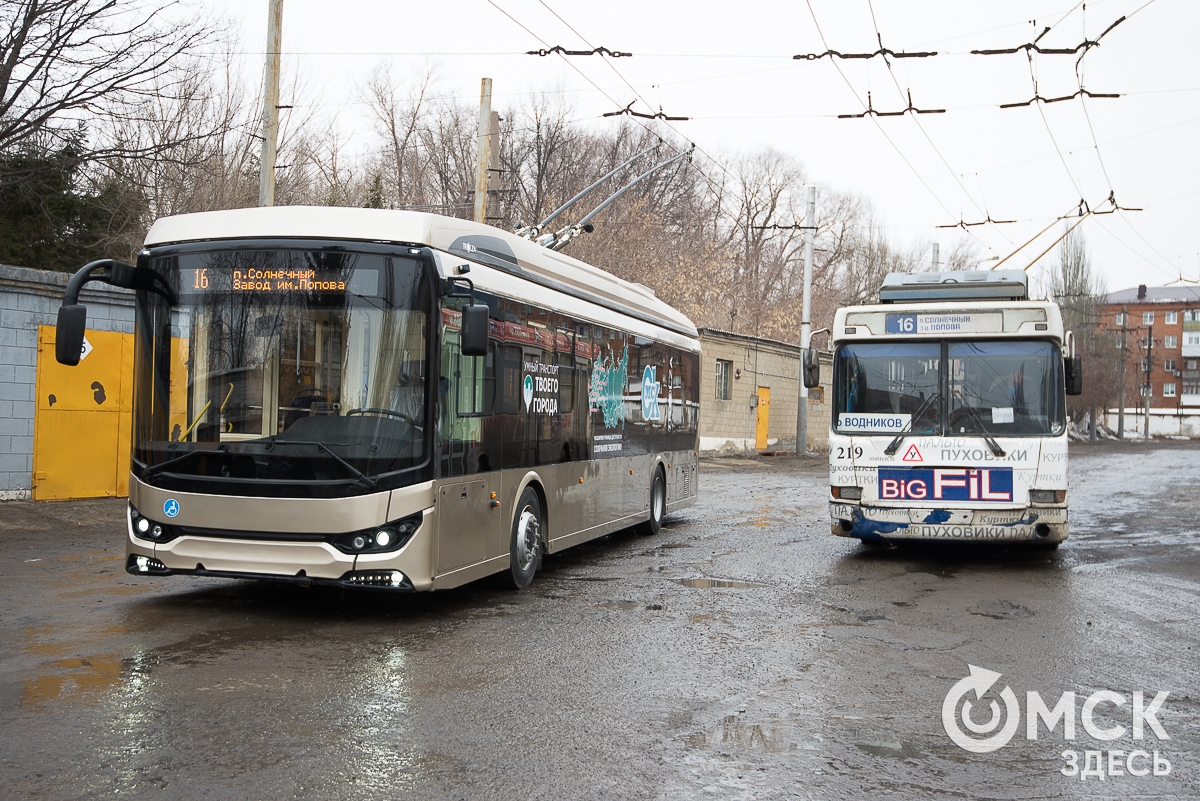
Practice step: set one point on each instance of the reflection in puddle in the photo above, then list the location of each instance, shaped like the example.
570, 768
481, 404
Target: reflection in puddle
711, 583
895, 748
64, 678
733, 733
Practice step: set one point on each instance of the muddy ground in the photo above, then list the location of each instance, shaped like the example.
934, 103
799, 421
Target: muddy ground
812, 668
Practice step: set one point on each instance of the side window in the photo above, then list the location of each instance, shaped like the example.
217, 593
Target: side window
724, 376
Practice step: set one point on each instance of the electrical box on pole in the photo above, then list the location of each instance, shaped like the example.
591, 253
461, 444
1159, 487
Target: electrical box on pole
266, 175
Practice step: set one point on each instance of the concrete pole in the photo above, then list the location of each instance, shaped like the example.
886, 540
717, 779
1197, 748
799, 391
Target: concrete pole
1124, 363
266, 175
935, 256
481, 151
810, 226
1149, 387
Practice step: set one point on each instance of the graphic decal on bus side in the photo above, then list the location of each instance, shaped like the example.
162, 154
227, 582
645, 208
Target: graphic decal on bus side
993, 484
606, 386
539, 388
650, 393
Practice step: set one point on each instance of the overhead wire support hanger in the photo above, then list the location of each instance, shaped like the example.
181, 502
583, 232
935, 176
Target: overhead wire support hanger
872, 112
1078, 93
532, 231
965, 225
629, 111
882, 51
1033, 47
602, 51
561, 238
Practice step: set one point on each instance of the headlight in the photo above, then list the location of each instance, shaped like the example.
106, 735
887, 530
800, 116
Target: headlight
847, 493
391, 537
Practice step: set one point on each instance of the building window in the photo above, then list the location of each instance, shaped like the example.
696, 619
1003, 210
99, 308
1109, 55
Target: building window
1170, 318
1145, 391
1191, 364
1169, 365
1191, 387
1191, 316
724, 377
1191, 337
1145, 366
1147, 318
1168, 390
1120, 318
1170, 343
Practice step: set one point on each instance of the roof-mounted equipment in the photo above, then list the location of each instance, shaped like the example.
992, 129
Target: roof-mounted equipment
936, 287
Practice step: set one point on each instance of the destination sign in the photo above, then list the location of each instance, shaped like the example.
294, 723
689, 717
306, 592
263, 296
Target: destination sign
280, 281
945, 323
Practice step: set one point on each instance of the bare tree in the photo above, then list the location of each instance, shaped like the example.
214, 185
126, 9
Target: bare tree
66, 61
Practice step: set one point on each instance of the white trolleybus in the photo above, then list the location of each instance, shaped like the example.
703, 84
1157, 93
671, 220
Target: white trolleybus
389, 399
949, 416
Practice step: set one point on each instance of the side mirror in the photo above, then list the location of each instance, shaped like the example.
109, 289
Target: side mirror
475, 330
68, 337
1073, 368
810, 368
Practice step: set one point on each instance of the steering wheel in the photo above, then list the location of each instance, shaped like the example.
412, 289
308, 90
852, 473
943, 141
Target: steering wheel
383, 413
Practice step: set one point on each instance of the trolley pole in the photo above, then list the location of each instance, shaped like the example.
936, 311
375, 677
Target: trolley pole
810, 225
266, 175
481, 151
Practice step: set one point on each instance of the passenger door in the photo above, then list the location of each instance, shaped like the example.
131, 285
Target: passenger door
467, 523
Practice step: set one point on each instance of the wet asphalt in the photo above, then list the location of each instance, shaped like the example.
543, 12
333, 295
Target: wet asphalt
744, 652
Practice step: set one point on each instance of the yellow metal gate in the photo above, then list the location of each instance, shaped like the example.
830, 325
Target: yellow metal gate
83, 421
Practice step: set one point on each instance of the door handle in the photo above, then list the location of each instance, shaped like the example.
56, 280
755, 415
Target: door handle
464, 495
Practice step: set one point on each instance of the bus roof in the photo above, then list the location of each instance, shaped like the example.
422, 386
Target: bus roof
962, 319
462, 238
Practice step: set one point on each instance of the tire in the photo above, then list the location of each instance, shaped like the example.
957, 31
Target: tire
525, 542
658, 505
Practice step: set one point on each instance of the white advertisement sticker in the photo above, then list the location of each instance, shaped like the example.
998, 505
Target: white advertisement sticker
873, 423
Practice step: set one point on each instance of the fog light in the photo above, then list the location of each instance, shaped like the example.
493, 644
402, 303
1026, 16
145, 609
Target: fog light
397, 578
143, 525
143, 563
383, 538
359, 543
156, 532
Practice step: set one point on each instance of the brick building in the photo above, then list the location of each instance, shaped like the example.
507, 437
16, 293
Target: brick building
749, 387
1160, 330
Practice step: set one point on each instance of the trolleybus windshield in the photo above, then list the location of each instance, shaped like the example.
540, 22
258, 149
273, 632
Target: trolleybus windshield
285, 367
999, 388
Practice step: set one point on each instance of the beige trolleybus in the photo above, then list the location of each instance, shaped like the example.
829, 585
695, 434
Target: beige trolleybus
389, 399
949, 412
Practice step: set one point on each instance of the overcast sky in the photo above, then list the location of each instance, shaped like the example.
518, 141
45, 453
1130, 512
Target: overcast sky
728, 66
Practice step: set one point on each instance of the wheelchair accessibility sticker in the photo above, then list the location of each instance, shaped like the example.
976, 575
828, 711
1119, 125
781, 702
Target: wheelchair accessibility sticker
171, 508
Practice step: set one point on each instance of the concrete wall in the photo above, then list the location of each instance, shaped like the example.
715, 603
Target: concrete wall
29, 298
1163, 422
729, 425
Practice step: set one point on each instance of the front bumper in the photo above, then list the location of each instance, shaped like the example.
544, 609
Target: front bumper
1037, 524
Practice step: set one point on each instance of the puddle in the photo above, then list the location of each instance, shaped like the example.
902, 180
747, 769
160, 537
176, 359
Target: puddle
591, 578
628, 606
1001, 610
895, 748
732, 733
711, 583
66, 678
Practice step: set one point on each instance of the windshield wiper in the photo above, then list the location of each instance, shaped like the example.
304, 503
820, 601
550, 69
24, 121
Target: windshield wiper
158, 468
323, 448
993, 446
894, 445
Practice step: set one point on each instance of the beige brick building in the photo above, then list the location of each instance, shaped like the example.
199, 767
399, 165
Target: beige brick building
749, 387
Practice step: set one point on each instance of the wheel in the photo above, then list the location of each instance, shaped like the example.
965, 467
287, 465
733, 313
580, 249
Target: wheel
658, 505
525, 545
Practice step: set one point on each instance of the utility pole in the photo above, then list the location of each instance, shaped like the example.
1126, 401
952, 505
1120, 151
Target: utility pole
266, 175
1124, 362
481, 157
1149, 366
810, 225
935, 256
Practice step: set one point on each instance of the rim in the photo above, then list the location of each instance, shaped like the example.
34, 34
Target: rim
657, 501
528, 537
